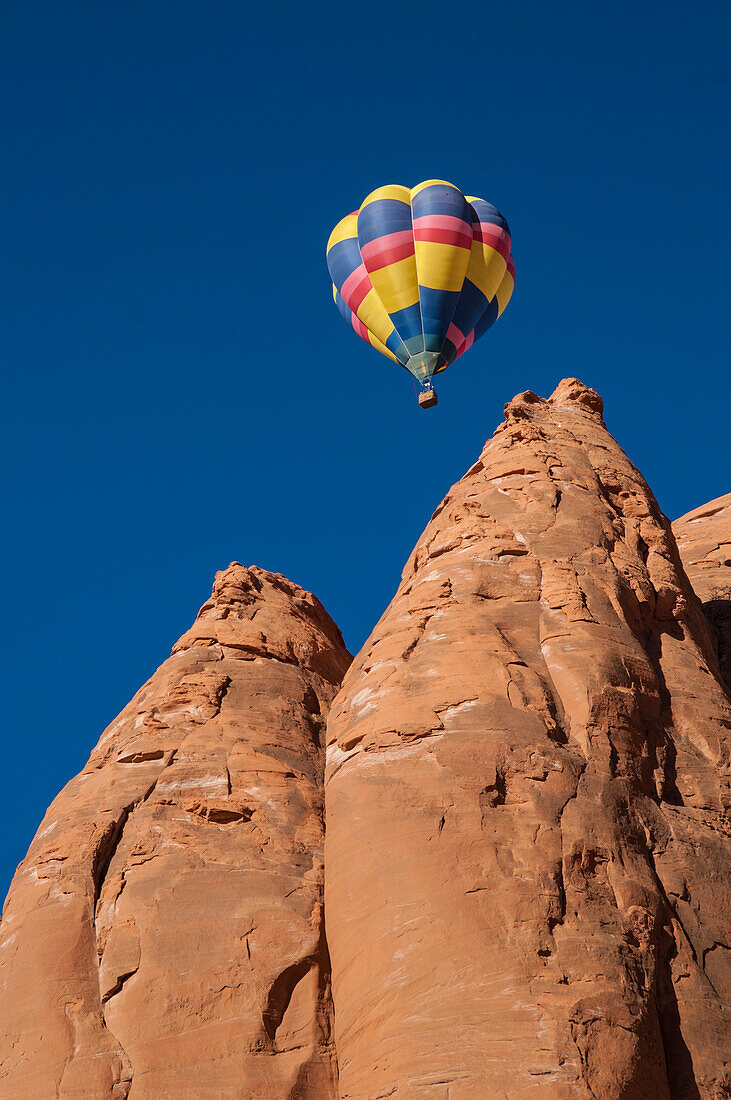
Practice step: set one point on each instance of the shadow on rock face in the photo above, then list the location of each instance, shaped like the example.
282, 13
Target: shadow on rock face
678, 1059
718, 613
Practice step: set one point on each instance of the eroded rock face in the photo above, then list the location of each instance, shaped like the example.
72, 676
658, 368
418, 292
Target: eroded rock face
164, 935
526, 889
704, 542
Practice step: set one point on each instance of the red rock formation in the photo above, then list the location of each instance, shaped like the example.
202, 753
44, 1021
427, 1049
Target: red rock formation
163, 937
704, 542
525, 875
526, 890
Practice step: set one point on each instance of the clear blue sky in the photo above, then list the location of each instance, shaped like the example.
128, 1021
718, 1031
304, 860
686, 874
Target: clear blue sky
179, 390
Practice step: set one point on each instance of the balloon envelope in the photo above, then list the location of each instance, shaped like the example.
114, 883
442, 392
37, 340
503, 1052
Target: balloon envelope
421, 273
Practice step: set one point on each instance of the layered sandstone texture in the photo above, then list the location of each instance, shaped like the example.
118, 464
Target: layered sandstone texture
164, 935
526, 880
704, 542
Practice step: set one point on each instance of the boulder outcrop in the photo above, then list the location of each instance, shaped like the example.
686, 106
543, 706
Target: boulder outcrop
704, 542
526, 879
164, 935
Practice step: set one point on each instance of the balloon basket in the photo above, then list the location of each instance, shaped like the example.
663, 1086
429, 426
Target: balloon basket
428, 398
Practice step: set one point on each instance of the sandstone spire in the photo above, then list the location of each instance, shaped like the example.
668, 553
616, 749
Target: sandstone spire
164, 933
524, 867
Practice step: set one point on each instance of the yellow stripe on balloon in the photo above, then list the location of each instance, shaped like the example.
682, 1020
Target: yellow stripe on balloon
372, 338
431, 183
347, 227
504, 292
397, 285
441, 266
370, 311
389, 191
486, 268
376, 343
374, 316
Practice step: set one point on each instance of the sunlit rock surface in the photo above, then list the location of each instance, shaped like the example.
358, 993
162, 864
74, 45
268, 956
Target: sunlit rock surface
526, 870
164, 936
526, 884
704, 542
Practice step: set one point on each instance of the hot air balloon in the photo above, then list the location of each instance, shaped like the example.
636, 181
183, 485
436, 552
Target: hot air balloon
421, 273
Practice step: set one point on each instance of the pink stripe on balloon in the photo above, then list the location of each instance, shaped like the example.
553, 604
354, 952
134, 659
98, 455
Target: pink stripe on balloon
455, 335
443, 229
494, 236
374, 249
444, 236
359, 327
468, 342
442, 221
355, 288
